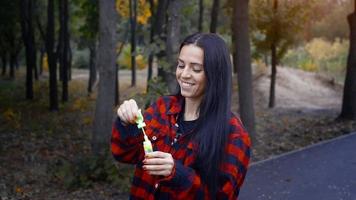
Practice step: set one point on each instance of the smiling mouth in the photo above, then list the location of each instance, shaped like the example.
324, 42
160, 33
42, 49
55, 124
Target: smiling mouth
183, 83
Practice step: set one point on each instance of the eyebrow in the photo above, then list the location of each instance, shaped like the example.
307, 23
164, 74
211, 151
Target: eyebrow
190, 63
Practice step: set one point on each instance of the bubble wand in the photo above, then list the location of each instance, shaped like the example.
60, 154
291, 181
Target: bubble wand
147, 145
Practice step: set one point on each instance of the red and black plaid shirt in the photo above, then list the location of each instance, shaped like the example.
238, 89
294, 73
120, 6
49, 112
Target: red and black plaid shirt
184, 182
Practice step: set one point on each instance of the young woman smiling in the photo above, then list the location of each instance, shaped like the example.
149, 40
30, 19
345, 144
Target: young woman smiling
200, 148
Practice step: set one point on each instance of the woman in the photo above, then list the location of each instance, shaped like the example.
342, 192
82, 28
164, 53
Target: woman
200, 149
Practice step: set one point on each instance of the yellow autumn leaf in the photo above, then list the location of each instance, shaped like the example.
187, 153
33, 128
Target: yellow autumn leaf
143, 10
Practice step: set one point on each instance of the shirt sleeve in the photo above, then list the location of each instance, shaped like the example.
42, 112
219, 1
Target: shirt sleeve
126, 143
188, 183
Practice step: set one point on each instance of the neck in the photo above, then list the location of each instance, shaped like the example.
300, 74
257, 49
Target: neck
191, 109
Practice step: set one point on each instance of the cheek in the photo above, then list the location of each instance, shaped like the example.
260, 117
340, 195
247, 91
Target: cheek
177, 73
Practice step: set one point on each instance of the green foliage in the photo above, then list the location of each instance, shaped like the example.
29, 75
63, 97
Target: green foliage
84, 171
280, 26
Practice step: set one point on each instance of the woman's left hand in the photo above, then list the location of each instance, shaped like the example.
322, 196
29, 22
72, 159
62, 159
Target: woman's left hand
158, 163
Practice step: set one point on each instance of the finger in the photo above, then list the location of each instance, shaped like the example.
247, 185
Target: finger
156, 167
160, 173
157, 154
156, 161
132, 110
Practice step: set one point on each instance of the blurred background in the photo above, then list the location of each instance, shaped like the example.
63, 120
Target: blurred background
67, 65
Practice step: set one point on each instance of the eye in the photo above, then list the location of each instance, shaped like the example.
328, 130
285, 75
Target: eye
180, 65
197, 68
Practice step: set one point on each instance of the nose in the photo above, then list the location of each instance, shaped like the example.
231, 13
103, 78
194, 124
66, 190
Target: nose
186, 72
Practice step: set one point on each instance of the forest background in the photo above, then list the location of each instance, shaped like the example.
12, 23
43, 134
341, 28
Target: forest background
67, 65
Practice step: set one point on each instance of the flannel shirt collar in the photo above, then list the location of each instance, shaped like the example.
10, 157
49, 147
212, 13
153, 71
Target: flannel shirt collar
177, 105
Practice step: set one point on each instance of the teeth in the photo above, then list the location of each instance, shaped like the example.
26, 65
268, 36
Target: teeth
187, 84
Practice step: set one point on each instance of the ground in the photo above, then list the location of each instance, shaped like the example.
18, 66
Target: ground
34, 142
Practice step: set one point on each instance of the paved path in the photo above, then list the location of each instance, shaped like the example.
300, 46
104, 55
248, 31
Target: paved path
325, 171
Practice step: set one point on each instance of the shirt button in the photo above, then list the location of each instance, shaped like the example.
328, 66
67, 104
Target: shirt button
156, 185
176, 125
154, 138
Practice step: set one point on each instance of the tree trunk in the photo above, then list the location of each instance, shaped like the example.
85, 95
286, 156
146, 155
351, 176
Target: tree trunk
243, 65
172, 44
42, 52
4, 63
274, 58
92, 66
214, 16
63, 50
153, 20
106, 65
272, 89
117, 91
133, 20
201, 14
12, 66
69, 59
53, 93
348, 110
29, 41
161, 32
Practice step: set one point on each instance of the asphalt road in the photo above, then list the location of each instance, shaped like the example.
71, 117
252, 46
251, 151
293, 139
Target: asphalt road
325, 171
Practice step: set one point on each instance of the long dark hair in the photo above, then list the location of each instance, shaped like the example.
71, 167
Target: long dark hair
214, 110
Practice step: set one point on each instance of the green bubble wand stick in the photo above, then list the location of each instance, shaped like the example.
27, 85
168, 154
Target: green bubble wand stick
147, 145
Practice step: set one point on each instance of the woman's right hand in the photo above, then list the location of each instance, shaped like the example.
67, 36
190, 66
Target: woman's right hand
127, 112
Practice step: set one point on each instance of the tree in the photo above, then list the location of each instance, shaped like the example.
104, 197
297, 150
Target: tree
242, 60
172, 42
53, 93
10, 33
276, 28
201, 13
214, 16
133, 21
29, 41
348, 110
106, 65
64, 47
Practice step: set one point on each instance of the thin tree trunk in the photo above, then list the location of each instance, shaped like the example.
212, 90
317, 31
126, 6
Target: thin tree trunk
69, 59
12, 66
29, 41
35, 73
272, 95
214, 16
133, 20
274, 60
243, 65
42, 52
348, 110
161, 32
117, 94
92, 67
63, 9
153, 20
53, 93
201, 14
172, 44
106, 65
4, 64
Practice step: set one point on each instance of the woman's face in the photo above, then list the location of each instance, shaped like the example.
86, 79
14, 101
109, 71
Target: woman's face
190, 72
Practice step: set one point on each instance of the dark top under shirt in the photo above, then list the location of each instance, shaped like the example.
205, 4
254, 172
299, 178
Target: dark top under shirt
184, 127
